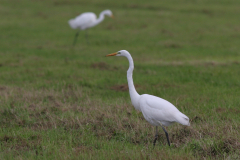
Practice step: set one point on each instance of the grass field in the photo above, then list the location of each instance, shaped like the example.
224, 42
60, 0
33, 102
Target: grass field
64, 102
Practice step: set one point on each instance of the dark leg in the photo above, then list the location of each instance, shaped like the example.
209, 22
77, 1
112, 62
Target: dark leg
156, 137
166, 135
75, 38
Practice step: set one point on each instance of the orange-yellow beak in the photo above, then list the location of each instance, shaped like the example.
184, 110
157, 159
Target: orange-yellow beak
112, 16
112, 54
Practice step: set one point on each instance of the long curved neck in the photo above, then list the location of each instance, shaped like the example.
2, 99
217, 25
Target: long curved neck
132, 91
99, 20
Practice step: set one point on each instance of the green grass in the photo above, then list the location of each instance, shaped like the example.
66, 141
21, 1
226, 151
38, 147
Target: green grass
64, 102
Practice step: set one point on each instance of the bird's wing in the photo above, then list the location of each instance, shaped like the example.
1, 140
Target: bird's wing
157, 109
86, 19
159, 103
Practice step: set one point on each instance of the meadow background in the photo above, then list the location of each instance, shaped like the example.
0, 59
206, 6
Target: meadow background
63, 102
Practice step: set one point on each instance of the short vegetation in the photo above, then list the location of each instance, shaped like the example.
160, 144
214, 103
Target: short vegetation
63, 102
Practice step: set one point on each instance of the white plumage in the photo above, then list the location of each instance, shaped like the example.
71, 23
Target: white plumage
157, 111
83, 21
87, 20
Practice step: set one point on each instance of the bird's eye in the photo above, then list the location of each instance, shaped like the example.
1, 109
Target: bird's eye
119, 53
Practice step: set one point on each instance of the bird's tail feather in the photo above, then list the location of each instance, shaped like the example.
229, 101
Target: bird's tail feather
72, 23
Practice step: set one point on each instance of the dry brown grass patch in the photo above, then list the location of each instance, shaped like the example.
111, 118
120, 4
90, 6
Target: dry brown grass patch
21, 144
123, 87
100, 65
71, 110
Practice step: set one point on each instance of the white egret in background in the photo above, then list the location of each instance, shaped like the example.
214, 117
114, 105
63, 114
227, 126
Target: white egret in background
87, 20
157, 111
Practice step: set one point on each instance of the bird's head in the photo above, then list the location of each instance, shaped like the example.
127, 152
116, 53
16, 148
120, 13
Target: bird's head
119, 53
108, 13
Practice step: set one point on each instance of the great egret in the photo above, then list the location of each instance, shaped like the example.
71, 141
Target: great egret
87, 20
157, 111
